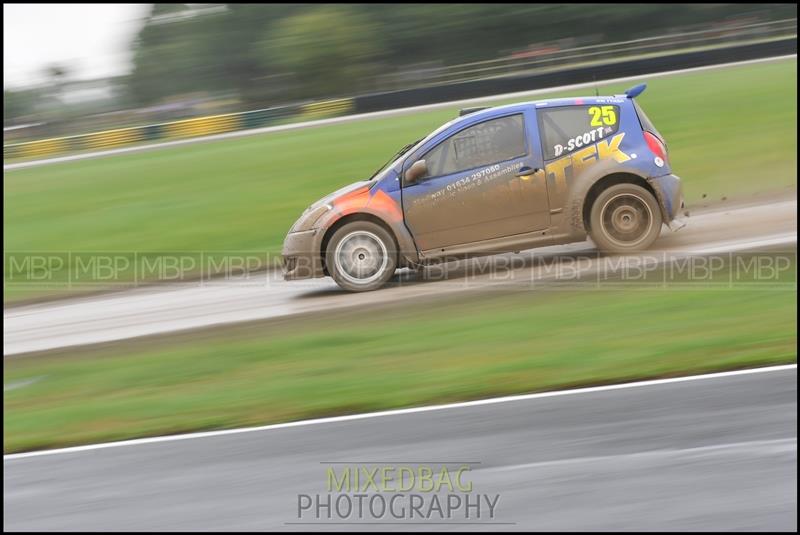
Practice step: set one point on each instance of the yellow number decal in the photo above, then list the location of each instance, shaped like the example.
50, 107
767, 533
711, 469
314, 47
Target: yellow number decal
609, 115
595, 112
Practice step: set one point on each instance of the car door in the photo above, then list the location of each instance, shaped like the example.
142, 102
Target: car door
484, 181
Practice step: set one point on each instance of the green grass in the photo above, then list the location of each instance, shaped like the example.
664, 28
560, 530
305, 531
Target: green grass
732, 132
395, 357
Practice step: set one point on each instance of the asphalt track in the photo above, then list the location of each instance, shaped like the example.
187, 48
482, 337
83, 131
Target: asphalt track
717, 452
168, 308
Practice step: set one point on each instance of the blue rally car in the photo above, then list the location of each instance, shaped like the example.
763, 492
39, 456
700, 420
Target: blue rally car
494, 180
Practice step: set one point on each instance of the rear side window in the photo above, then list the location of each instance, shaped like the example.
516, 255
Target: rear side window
647, 125
485, 143
568, 128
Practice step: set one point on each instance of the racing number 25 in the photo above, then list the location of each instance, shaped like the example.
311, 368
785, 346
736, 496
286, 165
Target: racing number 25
605, 113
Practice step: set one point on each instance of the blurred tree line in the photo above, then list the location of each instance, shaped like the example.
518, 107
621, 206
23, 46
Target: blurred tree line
268, 53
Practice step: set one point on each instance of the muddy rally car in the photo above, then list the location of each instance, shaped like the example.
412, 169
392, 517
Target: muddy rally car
495, 180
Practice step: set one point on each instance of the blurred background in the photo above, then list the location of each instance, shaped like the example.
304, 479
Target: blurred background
123, 65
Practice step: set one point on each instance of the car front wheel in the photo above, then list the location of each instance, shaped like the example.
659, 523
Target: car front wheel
625, 218
361, 256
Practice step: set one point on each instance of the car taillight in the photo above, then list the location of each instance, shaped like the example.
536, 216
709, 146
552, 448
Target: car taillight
656, 146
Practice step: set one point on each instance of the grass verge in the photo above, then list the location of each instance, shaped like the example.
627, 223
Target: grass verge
389, 358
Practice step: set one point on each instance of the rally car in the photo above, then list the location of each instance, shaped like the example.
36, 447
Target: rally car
495, 180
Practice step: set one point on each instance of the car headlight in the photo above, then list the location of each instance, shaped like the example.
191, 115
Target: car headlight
309, 217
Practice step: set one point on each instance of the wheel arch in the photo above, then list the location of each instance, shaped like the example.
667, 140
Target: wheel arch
606, 182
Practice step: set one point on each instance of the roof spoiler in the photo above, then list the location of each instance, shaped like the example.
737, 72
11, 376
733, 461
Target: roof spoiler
466, 111
635, 91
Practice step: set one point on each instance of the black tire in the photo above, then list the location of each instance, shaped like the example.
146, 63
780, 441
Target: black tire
625, 218
361, 256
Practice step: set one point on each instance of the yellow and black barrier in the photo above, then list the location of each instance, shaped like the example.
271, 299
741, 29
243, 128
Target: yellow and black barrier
327, 108
185, 128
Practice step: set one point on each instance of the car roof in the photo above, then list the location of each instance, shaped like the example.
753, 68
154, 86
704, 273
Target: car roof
549, 103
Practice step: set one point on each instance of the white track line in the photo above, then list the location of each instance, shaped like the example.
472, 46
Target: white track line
376, 114
754, 447
735, 246
397, 412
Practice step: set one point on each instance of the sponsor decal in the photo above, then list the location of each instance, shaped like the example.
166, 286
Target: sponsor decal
579, 160
478, 178
582, 140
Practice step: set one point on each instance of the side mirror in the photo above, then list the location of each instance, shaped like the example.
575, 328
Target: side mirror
417, 170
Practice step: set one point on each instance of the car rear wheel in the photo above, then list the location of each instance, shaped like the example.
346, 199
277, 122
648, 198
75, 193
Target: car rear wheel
361, 256
625, 218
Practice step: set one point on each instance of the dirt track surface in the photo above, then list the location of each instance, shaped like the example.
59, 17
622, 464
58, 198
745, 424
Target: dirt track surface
168, 308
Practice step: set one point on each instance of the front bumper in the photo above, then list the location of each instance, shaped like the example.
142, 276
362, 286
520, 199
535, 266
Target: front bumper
301, 257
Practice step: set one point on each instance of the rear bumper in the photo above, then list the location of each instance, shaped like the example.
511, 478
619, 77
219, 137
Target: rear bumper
669, 191
301, 258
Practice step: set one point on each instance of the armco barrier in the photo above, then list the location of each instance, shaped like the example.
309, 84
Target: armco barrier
512, 84
203, 126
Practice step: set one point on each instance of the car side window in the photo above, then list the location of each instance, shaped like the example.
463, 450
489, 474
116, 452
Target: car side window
485, 143
568, 128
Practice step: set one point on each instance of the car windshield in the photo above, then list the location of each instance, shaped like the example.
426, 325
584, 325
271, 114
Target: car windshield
411, 146
391, 160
